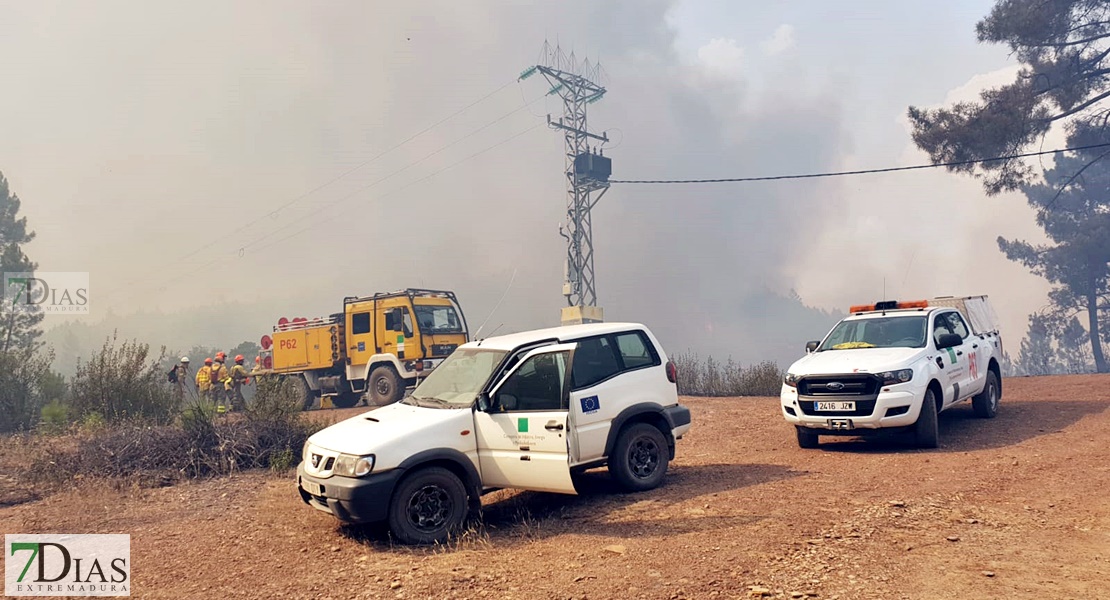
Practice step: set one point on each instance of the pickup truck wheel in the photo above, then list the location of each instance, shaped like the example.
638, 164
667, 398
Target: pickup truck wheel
428, 506
807, 439
986, 402
385, 386
925, 430
640, 457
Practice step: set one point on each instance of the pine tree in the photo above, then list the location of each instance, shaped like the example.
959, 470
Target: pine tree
1037, 356
20, 330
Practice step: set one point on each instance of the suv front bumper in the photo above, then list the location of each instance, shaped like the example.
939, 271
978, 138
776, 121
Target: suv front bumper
349, 499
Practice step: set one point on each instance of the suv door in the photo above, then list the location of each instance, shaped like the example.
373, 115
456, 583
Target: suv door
523, 435
611, 373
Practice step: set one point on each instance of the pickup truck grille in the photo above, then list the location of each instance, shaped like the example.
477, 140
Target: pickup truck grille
862, 389
443, 349
840, 386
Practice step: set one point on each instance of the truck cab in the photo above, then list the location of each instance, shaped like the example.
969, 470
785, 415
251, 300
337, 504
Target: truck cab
378, 346
523, 411
893, 366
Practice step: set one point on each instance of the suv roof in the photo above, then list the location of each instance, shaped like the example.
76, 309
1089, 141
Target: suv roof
563, 333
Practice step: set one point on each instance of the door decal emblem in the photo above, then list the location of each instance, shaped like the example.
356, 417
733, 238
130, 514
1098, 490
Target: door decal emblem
522, 425
590, 404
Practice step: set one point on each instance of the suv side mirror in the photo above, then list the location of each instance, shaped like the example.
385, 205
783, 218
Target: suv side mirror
484, 402
948, 340
812, 346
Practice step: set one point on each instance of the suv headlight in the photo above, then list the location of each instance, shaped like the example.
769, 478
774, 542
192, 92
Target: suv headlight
350, 465
304, 451
896, 377
791, 380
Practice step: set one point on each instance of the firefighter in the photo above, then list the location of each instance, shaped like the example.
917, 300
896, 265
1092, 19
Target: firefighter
204, 380
182, 379
221, 383
239, 377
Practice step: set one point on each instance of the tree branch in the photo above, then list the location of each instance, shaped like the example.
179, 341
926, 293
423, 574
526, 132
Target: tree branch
1079, 108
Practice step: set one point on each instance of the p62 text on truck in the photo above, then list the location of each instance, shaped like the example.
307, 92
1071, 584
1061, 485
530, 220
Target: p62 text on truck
894, 366
375, 348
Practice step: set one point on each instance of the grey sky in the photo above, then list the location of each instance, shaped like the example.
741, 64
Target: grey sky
136, 133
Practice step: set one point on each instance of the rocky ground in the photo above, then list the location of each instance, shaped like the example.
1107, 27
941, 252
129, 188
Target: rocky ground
1015, 507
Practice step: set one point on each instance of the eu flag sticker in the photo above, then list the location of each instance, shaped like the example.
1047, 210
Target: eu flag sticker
590, 405
362, 346
522, 425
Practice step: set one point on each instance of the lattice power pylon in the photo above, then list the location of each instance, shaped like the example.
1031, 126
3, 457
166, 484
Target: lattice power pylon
587, 173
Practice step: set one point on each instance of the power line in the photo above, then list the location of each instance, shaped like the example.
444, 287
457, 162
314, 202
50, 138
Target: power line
406, 186
222, 257
342, 175
397, 172
862, 172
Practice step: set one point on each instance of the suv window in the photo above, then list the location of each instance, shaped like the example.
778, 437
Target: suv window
635, 350
594, 360
537, 385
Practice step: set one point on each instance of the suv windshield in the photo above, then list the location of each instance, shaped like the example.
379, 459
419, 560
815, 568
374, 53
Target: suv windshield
437, 318
883, 332
455, 383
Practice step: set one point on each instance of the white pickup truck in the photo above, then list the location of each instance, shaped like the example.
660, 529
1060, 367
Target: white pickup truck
894, 366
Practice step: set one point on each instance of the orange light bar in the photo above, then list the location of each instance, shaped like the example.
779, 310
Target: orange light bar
859, 308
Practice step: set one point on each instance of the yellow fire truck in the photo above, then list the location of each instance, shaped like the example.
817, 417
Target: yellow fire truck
373, 350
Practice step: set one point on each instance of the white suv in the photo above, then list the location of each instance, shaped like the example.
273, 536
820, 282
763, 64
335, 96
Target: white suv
518, 411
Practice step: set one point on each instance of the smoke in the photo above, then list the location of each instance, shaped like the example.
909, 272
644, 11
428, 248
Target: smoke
166, 126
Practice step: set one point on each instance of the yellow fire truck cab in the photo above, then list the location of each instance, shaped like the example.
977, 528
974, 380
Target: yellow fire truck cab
378, 346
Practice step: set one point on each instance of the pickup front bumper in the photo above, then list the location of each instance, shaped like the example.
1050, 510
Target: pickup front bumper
349, 499
888, 410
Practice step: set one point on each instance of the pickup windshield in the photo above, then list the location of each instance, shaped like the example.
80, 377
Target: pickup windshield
437, 318
455, 383
880, 332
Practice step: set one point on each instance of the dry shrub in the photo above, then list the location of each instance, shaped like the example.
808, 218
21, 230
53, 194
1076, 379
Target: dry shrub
200, 444
122, 382
709, 377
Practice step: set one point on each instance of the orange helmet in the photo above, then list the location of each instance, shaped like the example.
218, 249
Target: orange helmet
220, 356
238, 358
208, 361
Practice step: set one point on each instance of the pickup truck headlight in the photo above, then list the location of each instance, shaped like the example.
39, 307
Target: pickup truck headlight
304, 451
350, 465
896, 377
791, 380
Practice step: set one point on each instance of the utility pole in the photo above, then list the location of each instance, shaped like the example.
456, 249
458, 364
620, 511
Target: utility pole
587, 172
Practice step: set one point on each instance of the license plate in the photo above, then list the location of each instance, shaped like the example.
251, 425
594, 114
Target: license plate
313, 488
835, 406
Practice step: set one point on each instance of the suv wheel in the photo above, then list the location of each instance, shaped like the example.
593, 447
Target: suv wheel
807, 439
986, 402
925, 430
640, 457
428, 506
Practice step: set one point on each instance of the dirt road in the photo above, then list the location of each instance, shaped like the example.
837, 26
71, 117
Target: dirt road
1015, 507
